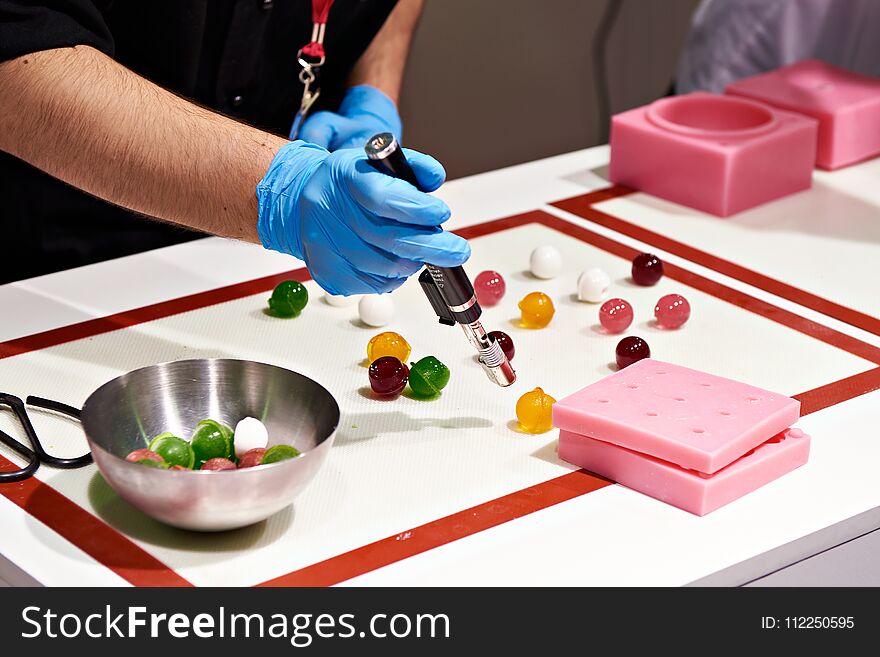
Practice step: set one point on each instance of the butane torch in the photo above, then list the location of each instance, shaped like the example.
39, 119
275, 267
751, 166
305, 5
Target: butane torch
448, 288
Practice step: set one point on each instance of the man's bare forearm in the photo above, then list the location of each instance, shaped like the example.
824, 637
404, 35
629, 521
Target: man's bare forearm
80, 116
383, 63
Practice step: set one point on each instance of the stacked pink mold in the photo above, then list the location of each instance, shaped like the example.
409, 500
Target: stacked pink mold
846, 104
691, 439
714, 153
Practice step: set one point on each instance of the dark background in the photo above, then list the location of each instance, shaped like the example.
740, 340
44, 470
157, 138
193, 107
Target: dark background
514, 80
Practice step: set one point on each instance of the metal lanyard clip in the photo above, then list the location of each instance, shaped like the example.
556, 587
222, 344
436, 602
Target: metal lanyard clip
307, 76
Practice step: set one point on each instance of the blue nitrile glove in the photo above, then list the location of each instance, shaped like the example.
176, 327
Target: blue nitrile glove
357, 229
364, 112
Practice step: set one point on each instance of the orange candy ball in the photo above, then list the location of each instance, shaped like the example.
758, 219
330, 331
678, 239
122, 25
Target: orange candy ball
534, 411
537, 310
388, 344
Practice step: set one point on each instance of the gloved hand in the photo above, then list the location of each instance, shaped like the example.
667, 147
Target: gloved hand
357, 229
364, 111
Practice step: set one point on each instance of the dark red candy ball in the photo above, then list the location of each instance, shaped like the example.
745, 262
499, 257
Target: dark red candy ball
631, 349
218, 463
144, 453
252, 457
647, 269
505, 342
388, 376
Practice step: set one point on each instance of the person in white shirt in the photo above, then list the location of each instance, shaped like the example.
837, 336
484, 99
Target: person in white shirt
734, 39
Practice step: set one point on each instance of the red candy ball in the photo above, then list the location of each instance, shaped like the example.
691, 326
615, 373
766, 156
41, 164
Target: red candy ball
388, 376
489, 287
217, 464
505, 342
144, 453
252, 457
647, 269
630, 350
672, 311
615, 315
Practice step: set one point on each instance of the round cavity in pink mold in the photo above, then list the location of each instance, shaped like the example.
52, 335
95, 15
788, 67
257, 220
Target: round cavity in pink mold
709, 115
810, 79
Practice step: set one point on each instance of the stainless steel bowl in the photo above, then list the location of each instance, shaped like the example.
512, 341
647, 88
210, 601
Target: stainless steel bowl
125, 413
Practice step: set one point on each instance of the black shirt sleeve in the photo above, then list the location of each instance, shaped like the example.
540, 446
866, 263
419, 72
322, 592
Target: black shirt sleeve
28, 26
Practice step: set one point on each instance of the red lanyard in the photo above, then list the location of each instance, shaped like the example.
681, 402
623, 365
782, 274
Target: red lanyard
313, 50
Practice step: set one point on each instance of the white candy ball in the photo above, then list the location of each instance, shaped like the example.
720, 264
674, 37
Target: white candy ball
376, 309
250, 433
593, 285
340, 301
546, 262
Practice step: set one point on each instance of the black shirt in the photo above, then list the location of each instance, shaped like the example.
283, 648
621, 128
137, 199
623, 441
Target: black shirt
236, 56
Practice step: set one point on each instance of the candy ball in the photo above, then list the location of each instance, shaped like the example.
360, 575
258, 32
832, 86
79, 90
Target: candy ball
218, 464
278, 453
428, 377
593, 285
545, 262
388, 376
489, 287
174, 450
672, 311
250, 434
376, 309
340, 301
144, 454
288, 299
252, 457
537, 310
615, 315
505, 342
630, 350
388, 344
533, 410
209, 441
647, 269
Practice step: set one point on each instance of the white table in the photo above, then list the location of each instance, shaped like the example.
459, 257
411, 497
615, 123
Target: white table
784, 254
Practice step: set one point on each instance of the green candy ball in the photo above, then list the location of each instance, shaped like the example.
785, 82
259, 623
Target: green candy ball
175, 451
279, 453
211, 441
428, 377
288, 299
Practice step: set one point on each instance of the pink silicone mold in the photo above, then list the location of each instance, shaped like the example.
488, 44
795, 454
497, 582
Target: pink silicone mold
846, 104
696, 420
686, 489
714, 153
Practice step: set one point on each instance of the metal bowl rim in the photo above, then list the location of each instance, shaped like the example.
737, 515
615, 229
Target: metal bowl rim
93, 444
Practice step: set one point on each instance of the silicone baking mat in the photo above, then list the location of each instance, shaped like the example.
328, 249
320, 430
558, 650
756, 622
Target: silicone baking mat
404, 476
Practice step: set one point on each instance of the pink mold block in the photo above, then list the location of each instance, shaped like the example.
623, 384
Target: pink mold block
714, 153
696, 420
686, 489
846, 104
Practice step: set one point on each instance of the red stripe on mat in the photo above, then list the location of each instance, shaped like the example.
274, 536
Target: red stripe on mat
137, 566
136, 316
87, 532
839, 391
445, 530
582, 206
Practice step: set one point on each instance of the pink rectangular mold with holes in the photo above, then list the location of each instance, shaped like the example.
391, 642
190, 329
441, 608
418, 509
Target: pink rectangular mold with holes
689, 490
846, 104
695, 420
719, 154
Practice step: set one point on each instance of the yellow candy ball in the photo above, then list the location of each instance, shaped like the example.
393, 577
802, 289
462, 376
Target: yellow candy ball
534, 411
537, 310
388, 344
